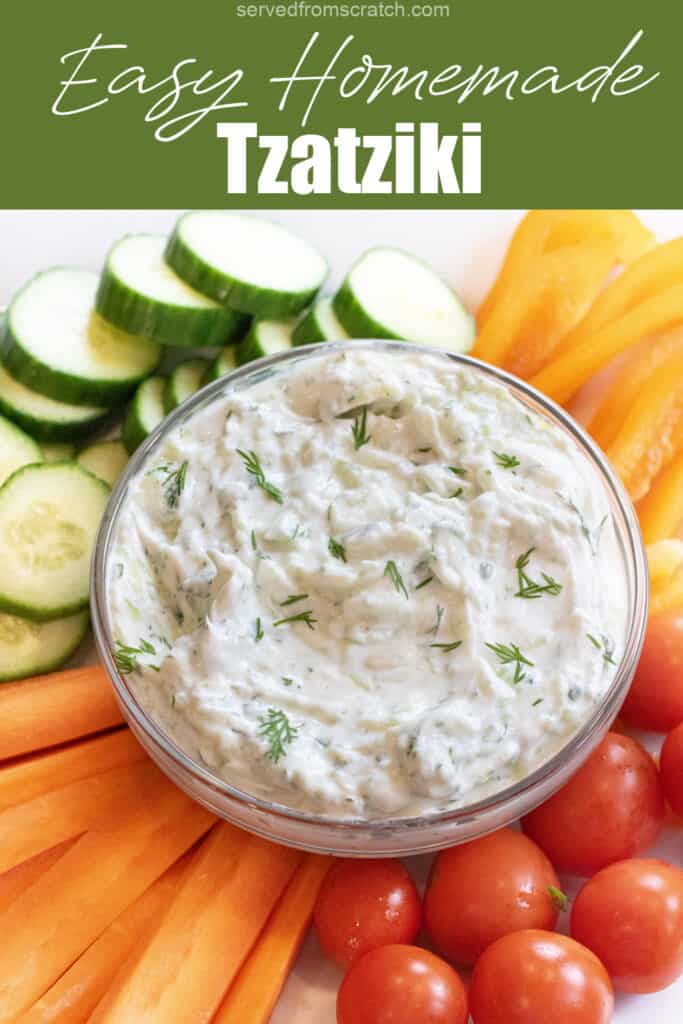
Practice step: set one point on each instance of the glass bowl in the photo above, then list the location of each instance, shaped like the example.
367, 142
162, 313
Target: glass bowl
400, 836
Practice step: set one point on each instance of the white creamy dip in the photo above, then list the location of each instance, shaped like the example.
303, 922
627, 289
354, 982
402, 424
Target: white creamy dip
403, 595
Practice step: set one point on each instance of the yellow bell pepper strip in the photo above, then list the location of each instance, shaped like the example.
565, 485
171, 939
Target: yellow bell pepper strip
631, 377
652, 433
563, 377
665, 559
661, 510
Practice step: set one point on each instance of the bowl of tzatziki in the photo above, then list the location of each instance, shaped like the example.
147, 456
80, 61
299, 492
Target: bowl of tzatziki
369, 597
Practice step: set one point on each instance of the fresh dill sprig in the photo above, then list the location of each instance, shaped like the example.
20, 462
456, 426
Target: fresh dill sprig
306, 617
511, 655
292, 599
437, 624
126, 657
173, 482
458, 470
604, 645
391, 570
258, 635
254, 468
359, 429
427, 580
447, 648
336, 549
527, 587
276, 728
506, 461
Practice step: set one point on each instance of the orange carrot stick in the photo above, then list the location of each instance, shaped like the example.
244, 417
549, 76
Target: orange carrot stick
15, 881
47, 710
652, 433
563, 377
75, 995
661, 510
224, 902
28, 779
631, 377
255, 990
60, 814
50, 924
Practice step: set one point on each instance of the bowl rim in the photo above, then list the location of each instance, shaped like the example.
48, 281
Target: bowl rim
577, 747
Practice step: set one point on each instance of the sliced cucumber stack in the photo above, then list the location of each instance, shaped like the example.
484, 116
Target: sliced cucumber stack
184, 380
42, 417
391, 294
32, 648
58, 452
253, 265
319, 324
265, 338
145, 412
105, 459
49, 516
223, 364
16, 449
56, 344
140, 293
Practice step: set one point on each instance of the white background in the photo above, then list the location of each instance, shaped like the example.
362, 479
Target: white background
466, 248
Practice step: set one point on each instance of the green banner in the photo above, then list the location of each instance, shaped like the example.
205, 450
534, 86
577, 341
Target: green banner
299, 104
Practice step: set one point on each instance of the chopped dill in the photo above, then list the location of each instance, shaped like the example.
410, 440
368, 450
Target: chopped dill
391, 570
292, 599
425, 582
511, 655
126, 657
336, 549
258, 635
254, 468
360, 429
306, 617
604, 645
173, 483
506, 461
447, 648
276, 728
528, 588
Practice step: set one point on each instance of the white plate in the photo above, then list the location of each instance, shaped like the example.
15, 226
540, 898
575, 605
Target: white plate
466, 248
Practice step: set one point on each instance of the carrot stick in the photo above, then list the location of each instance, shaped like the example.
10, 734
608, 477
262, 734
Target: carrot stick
28, 779
661, 510
528, 243
49, 925
255, 990
75, 995
15, 881
629, 382
63, 813
47, 710
563, 377
224, 902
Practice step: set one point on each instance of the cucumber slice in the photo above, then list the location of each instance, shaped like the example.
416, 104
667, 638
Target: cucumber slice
42, 417
56, 344
265, 338
32, 648
185, 379
390, 294
145, 412
250, 264
105, 459
58, 452
319, 324
16, 449
223, 364
140, 293
49, 516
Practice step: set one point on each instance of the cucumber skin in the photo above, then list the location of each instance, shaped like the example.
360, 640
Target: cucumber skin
265, 303
40, 430
133, 431
249, 348
163, 322
355, 320
57, 384
307, 331
50, 666
213, 370
170, 398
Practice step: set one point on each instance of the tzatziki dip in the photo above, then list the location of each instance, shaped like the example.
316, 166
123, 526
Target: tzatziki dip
367, 583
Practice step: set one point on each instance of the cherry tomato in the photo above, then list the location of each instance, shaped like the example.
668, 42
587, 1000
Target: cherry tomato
364, 904
611, 809
631, 915
671, 769
655, 700
487, 888
401, 985
533, 976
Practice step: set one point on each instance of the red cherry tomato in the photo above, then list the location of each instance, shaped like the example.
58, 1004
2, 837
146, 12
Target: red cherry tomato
631, 915
401, 985
487, 888
671, 769
532, 977
364, 904
611, 809
655, 700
